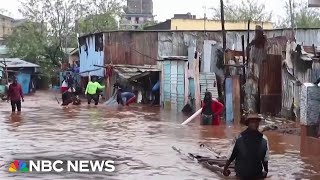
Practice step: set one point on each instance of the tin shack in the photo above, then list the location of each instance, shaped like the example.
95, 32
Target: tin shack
24, 71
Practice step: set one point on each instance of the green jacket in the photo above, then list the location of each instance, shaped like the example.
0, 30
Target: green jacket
92, 87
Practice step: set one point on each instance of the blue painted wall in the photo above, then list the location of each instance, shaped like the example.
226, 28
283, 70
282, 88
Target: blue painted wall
229, 103
166, 82
173, 85
90, 58
24, 80
191, 87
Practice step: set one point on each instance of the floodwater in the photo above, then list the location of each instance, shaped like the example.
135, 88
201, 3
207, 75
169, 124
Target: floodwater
138, 138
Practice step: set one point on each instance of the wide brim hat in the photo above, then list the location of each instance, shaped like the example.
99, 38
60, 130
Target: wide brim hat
251, 117
258, 28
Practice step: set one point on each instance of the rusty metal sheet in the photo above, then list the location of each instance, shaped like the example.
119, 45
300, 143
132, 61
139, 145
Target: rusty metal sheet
270, 85
270, 103
132, 48
236, 98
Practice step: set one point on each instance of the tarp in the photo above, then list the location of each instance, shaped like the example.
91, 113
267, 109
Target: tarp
24, 80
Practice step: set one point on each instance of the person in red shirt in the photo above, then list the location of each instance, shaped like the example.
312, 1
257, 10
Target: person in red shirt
15, 95
211, 110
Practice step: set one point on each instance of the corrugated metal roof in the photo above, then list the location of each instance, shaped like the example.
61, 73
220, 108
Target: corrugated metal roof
128, 72
174, 58
16, 62
3, 50
68, 50
241, 30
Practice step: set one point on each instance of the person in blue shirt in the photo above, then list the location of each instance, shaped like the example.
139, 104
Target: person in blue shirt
128, 96
155, 92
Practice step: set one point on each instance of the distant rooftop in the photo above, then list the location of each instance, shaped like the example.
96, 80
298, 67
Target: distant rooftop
3, 50
184, 16
313, 3
18, 63
7, 17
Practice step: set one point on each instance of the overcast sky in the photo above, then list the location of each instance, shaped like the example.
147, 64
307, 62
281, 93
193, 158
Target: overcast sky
164, 9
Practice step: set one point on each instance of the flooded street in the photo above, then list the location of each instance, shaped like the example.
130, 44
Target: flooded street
138, 138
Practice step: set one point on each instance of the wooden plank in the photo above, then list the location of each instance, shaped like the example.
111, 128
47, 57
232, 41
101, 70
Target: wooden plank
180, 85
173, 83
197, 82
186, 83
236, 99
166, 84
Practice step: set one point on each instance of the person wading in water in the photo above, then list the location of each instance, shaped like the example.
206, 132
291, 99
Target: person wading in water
211, 110
128, 96
91, 91
15, 95
251, 152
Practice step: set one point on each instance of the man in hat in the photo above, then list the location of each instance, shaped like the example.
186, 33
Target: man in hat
250, 151
15, 95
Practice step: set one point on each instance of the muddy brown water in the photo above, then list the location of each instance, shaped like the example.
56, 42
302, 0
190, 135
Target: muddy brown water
138, 138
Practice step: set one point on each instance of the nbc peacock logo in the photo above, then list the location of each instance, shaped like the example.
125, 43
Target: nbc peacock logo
18, 166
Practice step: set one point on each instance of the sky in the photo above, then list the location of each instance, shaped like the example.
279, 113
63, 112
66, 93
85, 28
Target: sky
164, 9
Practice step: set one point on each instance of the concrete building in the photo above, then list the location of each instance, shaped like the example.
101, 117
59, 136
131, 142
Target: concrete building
189, 22
137, 13
6, 25
313, 3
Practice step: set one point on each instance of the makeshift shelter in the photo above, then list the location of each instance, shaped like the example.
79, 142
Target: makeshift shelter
24, 71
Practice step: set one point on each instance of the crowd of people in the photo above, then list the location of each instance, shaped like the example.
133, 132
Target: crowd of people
93, 92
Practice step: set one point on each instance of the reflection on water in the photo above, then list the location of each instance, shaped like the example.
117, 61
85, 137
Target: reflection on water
138, 138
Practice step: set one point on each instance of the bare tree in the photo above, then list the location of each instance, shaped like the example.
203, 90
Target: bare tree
242, 11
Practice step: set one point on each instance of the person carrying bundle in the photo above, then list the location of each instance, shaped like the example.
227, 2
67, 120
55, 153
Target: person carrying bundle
250, 151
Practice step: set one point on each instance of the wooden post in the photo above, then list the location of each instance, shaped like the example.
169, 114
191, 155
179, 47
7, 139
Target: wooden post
291, 6
314, 50
222, 26
242, 93
236, 98
6, 70
197, 83
248, 42
224, 43
243, 56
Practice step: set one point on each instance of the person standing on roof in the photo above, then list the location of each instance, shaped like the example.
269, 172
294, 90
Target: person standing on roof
91, 91
15, 95
211, 110
250, 151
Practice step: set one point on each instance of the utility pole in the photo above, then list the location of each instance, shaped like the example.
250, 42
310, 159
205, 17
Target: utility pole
291, 7
204, 20
66, 31
224, 46
222, 26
